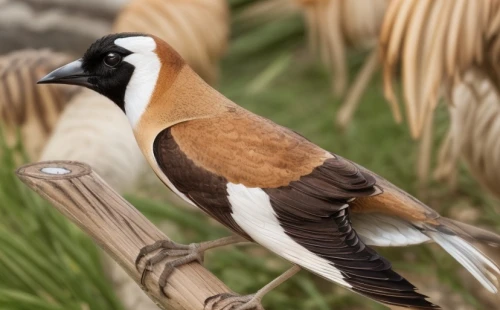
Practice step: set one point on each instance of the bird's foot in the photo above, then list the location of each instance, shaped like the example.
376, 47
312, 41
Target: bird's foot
185, 253
228, 301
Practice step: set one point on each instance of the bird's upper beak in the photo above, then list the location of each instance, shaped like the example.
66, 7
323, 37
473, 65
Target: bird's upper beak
71, 73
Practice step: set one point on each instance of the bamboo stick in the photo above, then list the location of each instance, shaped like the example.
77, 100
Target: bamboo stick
117, 227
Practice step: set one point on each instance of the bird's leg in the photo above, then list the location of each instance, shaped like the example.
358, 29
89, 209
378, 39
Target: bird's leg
187, 253
228, 301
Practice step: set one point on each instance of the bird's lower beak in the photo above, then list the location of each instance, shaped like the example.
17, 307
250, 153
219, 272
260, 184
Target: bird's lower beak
71, 73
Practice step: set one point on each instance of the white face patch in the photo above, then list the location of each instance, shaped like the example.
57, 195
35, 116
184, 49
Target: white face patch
143, 81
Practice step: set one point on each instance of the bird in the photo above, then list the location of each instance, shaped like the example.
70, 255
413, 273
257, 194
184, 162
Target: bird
264, 182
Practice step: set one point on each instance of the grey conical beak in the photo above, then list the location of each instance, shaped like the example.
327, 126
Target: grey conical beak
71, 73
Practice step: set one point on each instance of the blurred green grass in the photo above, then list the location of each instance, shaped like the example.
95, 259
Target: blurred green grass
47, 263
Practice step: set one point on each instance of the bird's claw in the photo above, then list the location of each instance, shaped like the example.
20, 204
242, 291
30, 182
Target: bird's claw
185, 253
228, 301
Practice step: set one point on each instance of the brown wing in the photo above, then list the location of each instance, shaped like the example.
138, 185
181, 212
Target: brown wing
248, 149
314, 212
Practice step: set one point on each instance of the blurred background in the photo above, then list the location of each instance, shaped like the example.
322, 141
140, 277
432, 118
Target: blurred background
406, 88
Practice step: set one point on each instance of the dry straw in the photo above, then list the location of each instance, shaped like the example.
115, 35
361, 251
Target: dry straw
268, 10
474, 133
335, 25
23, 105
433, 44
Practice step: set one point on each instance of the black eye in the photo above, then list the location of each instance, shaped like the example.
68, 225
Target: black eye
112, 60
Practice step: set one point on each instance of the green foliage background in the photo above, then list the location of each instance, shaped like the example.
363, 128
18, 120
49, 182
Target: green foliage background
47, 263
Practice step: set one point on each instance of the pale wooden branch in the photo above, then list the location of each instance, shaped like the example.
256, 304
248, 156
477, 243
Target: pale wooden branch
116, 226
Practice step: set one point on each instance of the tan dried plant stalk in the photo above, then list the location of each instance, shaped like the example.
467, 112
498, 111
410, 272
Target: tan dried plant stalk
474, 132
335, 25
432, 44
197, 29
34, 110
261, 11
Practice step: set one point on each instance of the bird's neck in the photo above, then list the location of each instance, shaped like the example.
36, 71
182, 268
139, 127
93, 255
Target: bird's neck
187, 97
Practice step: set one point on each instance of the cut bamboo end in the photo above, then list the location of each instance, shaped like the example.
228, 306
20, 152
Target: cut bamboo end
54, 170
117, 227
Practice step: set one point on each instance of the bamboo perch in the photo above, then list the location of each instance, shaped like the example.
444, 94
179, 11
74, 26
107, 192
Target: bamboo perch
117, 227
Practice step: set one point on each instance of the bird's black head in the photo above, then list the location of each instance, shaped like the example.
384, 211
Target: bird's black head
102, 68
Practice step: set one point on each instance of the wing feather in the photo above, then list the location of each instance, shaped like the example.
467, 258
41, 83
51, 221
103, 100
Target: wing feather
323, 226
